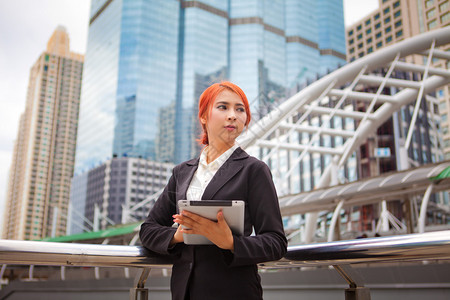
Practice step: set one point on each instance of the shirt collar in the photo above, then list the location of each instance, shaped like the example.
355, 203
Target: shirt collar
218, 161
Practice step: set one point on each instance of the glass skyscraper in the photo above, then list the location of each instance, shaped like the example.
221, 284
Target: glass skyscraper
132, 55
148, 61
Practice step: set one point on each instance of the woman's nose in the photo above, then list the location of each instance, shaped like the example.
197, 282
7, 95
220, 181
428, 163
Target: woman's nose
232, 116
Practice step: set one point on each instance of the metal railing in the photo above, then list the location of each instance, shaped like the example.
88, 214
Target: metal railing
340, 255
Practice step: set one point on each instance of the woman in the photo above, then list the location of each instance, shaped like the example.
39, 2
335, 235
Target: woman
228, 269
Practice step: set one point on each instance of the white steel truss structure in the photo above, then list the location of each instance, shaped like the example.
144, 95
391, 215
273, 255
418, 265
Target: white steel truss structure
298, 127
274, 131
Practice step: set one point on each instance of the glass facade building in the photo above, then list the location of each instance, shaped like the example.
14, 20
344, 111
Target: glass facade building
148, 61
130, 76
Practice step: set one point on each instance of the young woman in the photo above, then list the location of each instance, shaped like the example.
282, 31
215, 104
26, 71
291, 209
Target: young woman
228, 269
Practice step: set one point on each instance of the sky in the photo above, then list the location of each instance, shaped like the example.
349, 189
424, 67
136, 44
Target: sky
26, 26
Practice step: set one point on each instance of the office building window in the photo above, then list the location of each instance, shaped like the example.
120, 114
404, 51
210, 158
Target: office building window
361, 54
389, 39
360, 46
431, 13
350, 32
396, 4
359, 36
387, 20
369, 40
443, 7
388, 29
432, 24
386, 10
398, 23
378, 25
379, 44
445, 18
367, 22
376, 17
397, 14
369, 31
399, 33
352, 50
370, 50
351, 42
378, 35
359, 27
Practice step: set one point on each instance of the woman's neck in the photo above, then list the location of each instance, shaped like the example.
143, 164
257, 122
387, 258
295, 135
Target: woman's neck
215, 150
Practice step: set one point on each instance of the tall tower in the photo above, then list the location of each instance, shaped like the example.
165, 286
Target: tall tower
44, 151
148, 61
130, 75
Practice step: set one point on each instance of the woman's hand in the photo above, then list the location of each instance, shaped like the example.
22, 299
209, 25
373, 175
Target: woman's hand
177, 237
217, 232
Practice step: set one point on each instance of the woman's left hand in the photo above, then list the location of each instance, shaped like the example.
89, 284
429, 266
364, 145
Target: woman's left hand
217, 232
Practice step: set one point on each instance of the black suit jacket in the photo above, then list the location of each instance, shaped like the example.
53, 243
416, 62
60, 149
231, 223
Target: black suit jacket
208, 272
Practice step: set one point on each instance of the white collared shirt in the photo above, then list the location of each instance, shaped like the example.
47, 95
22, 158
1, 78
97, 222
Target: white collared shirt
205, 172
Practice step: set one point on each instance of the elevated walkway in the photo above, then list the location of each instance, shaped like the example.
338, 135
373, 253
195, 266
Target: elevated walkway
389, 186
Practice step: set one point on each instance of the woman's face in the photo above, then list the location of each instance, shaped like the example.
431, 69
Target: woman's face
226, 119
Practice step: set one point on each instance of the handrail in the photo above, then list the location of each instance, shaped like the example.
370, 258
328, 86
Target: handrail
410, 247
424, 246
16, 252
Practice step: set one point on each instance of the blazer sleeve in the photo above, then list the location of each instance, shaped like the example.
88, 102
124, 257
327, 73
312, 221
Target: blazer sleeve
270, 242
157, 231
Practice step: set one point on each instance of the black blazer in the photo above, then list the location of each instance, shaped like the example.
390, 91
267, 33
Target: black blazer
206, 271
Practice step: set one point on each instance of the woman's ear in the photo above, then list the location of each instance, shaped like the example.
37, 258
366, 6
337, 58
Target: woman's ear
203, 120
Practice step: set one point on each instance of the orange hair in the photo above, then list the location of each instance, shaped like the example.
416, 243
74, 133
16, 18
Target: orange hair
207, 100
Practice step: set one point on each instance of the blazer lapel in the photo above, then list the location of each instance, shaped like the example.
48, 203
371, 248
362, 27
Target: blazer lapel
185, 178
227, 171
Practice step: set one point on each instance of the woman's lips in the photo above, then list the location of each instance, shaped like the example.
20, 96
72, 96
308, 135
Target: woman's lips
230, 127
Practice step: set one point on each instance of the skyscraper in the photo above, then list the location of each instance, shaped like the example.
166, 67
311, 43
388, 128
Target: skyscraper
394, 21
151, 59
129, 75
44, 151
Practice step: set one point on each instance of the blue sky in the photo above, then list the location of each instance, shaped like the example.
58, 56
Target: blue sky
26, 26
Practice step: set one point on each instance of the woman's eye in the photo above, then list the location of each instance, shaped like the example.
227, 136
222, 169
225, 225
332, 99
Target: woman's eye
241, 109
221, 107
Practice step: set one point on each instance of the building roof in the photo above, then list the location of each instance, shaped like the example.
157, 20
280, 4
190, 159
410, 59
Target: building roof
110, 232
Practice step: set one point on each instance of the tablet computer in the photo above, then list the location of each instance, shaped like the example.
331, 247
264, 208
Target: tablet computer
233, 212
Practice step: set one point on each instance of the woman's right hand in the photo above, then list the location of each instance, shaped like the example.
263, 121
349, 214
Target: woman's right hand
177, 237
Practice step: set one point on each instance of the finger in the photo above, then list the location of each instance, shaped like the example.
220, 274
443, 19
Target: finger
181, 218
192, 216
186, 230
194, 220
177, 219
221, 218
